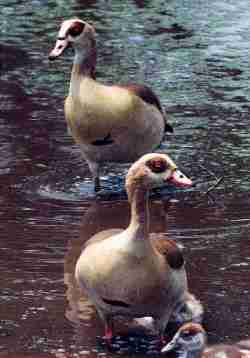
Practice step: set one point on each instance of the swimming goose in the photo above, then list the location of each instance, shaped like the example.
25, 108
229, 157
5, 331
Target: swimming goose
190, 341
127, 273
110, 123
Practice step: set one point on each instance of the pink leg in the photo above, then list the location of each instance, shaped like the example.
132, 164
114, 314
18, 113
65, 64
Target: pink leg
108, 330
108, 333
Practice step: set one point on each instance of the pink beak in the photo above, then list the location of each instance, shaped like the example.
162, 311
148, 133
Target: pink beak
179, 179
61, 45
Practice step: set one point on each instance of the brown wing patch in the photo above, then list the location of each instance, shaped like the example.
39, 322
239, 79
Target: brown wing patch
170, 250
145, 93
148, 96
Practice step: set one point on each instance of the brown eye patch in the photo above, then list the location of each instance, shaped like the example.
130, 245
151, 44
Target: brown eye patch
157, 165
76, 29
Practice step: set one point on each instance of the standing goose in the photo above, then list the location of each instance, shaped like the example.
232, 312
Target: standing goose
110, 123
127, 273
190, 341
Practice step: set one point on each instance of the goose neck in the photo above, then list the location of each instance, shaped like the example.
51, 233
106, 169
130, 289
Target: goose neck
139, 222
85, 60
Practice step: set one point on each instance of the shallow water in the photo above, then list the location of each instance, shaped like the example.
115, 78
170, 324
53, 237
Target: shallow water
196, 57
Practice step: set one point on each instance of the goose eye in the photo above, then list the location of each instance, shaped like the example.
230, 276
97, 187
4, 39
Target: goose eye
76, 29
187, 334
157, 165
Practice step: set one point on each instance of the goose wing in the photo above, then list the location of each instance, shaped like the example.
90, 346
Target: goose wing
169, 249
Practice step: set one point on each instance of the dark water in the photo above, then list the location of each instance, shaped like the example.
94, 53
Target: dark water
195, 54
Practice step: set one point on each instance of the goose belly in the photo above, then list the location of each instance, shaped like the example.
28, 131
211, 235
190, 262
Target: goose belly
128, 285
120, 131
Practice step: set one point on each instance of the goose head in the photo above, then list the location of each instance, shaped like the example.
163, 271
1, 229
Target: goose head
189, 337
76, 33
155, 170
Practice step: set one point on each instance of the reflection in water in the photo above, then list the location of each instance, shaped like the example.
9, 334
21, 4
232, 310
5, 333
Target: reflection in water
99, 216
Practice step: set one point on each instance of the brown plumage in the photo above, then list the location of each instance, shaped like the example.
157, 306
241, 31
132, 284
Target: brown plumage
128, 272
110, 123
148, 96
171, 251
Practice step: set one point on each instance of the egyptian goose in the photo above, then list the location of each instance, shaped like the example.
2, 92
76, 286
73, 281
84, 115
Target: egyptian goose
190, 341
110, 123
127, 273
